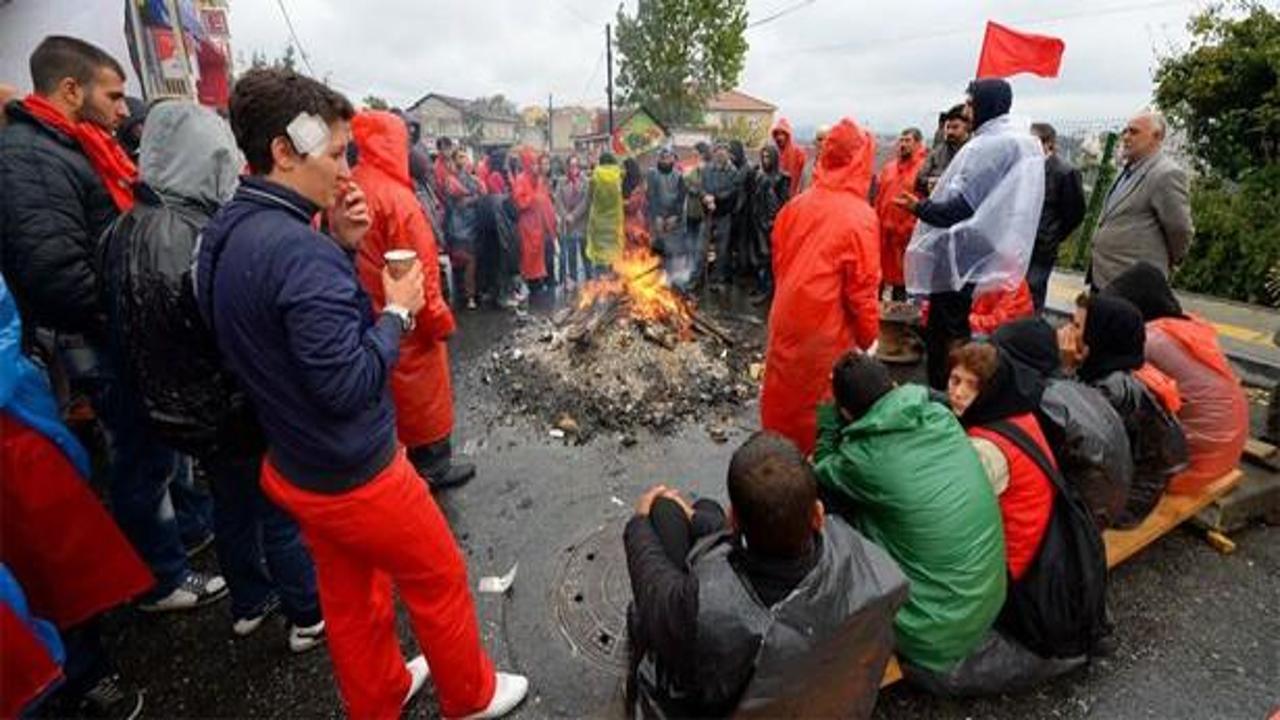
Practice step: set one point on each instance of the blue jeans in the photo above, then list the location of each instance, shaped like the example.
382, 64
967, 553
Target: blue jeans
571, 247
259, 547
139, 468
193, 507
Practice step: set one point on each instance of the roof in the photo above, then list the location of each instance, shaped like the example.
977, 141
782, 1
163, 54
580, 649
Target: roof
738, 101
467, 107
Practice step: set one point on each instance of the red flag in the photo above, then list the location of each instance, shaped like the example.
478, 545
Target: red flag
1008, 52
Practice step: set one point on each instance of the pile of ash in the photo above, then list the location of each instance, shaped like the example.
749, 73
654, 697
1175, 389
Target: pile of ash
621, 378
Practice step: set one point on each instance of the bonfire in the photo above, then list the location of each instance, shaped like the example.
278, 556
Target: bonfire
637, 292
628, 352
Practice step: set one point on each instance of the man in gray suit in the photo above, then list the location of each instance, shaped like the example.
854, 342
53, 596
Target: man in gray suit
1147, 215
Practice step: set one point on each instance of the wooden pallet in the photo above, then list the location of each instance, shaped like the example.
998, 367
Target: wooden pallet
1169, 513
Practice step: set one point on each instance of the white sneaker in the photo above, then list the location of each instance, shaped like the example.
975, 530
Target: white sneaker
509, 691
302, 639
196, 590
419, 671
246, 626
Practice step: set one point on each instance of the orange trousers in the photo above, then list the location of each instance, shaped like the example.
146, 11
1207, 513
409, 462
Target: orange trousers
387, 531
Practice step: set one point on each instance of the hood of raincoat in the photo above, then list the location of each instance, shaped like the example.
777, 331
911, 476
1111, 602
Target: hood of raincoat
770, 151
189, 155
1115, 336
848, 159
1000, 398
738, 153
1000, 174
1146, 287
782, 127
1031, 347
383, 142
991, 98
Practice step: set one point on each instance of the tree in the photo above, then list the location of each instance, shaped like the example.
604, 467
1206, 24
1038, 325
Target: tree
287, 61
676, 54
1224, 93
495, 105
751, 133
1223, 90
373, 102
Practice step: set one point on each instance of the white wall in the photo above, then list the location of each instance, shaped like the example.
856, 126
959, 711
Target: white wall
24, 23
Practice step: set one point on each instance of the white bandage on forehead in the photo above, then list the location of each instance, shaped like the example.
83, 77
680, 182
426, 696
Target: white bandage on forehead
308, 133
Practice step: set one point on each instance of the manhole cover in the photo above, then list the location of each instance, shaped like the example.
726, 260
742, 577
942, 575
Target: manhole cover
591, 595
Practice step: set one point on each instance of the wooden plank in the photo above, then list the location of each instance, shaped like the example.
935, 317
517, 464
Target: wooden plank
1170, 512
1262, 453
892, 673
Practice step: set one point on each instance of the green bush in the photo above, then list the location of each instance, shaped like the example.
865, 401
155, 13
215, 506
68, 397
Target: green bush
1237, 237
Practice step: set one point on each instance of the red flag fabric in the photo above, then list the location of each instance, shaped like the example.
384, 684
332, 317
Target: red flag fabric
1008, 52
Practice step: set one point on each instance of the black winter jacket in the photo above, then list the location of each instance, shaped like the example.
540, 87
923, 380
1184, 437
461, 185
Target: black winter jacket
53, 210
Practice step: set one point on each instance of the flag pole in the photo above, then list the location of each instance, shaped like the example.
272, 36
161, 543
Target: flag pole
986, 34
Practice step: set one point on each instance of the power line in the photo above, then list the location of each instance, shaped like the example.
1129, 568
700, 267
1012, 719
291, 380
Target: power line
306, 59
586, 88
780, 13
1118, 10
575, 13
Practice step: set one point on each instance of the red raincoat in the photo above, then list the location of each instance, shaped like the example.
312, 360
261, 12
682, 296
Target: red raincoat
532, 198
57, 538
790, 155
1214, 412
896, 223
420, 384
826, 265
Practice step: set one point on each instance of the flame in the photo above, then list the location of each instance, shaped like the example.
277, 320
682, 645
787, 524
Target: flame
638, 275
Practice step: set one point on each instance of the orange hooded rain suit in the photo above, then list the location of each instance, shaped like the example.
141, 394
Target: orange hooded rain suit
791, 157
532, 198
420, 384
896, 223
826, 263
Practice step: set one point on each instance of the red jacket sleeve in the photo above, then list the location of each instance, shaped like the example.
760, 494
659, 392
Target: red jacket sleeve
435, 321
862, 287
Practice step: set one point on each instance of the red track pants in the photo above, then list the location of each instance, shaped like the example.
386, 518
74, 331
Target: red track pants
390, 530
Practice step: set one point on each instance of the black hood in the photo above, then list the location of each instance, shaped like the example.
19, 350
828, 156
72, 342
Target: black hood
1114, 335
1146, 287
991, 98
1001, 398
1030, 346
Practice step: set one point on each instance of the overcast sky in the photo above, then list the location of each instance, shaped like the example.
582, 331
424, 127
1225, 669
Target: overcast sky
887, 64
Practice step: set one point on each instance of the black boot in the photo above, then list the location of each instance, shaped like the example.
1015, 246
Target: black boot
434, 463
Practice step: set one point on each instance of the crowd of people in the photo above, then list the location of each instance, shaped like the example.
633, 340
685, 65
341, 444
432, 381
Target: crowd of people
984, 495
258, 300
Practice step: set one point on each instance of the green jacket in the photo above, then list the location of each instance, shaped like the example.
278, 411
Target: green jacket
604, 219
916, 488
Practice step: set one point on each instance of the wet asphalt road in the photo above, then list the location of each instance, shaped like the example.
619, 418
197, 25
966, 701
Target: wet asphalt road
1198, 633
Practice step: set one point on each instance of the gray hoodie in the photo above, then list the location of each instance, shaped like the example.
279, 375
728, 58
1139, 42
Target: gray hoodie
189, 156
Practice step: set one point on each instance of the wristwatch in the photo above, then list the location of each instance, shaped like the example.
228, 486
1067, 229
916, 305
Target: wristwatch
401, 314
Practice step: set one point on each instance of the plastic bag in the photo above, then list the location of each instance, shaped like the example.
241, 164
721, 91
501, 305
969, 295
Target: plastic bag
1091, 446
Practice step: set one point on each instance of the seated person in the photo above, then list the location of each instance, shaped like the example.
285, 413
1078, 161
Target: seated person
997, 307
981, 391
736, 614
902, 469
1110, 345
1214, 414
1086, 434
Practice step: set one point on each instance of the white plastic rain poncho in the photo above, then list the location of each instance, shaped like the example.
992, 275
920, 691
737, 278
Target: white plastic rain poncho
1000, 174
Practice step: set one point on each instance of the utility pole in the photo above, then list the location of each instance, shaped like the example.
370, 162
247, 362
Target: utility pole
608, 51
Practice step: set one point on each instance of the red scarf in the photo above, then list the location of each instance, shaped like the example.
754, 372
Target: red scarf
108, 159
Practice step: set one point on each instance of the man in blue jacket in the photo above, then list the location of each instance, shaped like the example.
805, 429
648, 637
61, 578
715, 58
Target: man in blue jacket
294, 325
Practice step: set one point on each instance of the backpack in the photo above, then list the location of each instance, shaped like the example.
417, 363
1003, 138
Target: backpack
1058, 608
191, 401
